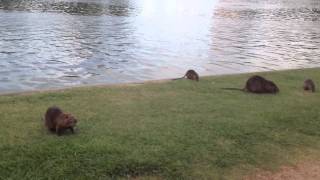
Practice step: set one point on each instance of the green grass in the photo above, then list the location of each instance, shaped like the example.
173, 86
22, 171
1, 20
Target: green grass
172, 130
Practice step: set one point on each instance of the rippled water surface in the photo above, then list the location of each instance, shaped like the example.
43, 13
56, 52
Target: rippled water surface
57, 43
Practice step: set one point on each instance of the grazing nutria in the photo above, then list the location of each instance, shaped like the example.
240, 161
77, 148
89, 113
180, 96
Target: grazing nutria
258, 84
309, 85
190, 74
57, 121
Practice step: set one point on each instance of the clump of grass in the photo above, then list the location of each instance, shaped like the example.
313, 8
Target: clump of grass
179, 129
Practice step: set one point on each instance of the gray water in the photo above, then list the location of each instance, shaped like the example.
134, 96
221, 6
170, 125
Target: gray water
54, 44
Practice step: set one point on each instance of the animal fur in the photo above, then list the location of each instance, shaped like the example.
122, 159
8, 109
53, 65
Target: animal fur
190, 74
57, 121
309, 85
259, 85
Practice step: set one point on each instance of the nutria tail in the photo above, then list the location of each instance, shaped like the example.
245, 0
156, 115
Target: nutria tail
178, 78
237, 89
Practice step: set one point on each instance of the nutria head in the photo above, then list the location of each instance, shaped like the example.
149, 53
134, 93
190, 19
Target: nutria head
68, 120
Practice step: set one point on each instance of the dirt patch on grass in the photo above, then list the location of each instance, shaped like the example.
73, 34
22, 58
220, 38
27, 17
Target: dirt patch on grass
309, 170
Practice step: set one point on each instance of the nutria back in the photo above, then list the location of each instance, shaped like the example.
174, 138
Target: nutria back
192, 75
50, 117
258, 84
309, 85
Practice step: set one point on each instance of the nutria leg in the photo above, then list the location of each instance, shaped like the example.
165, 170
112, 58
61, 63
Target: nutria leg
71, 129
58, 131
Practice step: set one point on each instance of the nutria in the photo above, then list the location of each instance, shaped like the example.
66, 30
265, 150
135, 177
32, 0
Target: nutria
57, 121
309, 85
258, 84
190, 74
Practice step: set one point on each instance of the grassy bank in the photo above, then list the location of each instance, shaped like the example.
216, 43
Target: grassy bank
179, 129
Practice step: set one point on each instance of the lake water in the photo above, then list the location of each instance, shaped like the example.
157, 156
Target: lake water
58, 43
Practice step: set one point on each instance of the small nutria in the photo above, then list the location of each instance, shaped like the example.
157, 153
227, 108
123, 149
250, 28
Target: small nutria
190, 74
309, 85
57, 121
259, 85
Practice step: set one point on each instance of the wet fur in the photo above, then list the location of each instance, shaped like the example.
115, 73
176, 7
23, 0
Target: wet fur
309, 85
57, 121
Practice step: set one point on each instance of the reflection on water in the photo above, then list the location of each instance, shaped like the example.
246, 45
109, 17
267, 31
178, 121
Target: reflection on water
48, 44
116, 8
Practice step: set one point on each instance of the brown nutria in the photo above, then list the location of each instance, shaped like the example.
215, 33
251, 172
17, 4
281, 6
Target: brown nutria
57, 121
190, 74
309, 85
259, 85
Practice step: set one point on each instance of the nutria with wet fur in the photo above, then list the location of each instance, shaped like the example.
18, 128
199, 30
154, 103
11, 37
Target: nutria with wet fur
309, 85
58, 121
259, 85
190, 74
